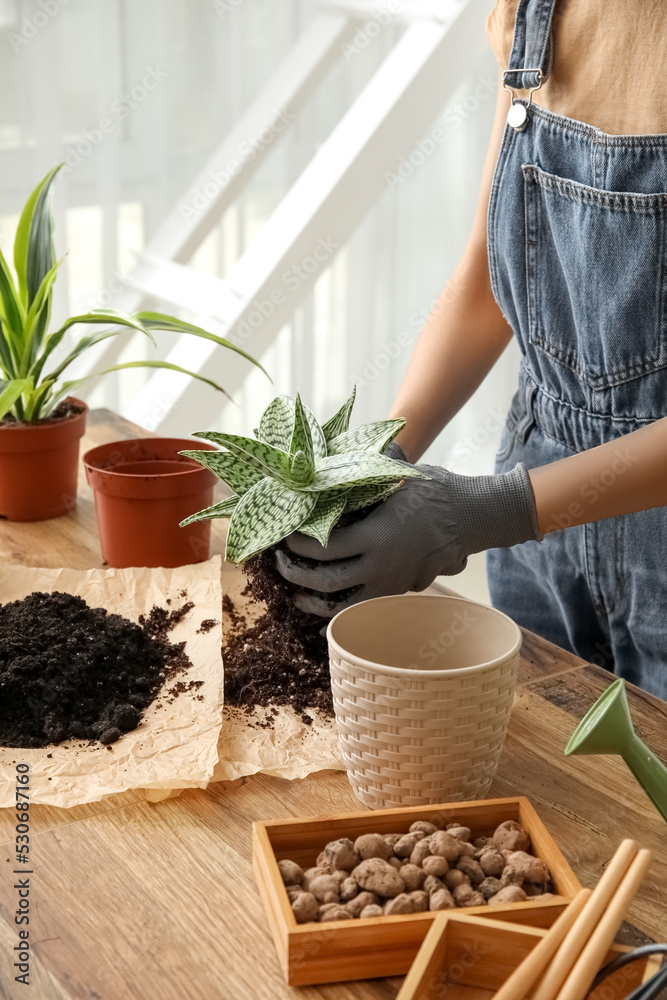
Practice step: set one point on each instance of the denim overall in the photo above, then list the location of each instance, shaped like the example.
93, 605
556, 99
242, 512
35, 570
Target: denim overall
577, 230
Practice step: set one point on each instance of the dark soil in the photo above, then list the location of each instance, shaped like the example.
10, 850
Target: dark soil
71, 671
280, 660
63, 411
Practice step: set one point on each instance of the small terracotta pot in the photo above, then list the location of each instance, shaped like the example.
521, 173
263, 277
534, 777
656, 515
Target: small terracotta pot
38, 467
143, 490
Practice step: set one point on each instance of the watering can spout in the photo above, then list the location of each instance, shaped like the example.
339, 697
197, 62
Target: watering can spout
608, 729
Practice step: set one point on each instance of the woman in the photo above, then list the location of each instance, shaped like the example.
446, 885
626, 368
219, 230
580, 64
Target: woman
573, 206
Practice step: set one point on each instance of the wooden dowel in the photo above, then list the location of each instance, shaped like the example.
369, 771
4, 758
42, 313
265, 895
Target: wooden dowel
528, 972
579, 981
581, 930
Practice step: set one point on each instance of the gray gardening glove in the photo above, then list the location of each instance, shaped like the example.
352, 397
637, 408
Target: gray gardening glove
428, 527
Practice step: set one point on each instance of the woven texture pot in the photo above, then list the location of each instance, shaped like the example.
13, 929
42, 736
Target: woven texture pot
423, 688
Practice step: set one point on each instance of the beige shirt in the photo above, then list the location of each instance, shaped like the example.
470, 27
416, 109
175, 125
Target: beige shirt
609, 61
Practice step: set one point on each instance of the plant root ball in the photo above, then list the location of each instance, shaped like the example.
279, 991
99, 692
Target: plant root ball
510, 894
378, 876
441, 899
510, 836
292, 874
342, 855
305, 908
373, 845
399, 904
435, 865
360, 902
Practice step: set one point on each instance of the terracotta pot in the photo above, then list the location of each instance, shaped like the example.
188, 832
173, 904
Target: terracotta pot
38, 467
143, 489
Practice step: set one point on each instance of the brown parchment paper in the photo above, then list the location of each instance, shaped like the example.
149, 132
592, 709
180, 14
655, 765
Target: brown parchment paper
176, 745
290, 749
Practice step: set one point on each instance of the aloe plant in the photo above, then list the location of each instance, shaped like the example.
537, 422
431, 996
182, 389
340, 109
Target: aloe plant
31, 384
296, 475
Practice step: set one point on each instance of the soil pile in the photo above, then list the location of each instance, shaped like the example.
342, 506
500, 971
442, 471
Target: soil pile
71, 671
281, 659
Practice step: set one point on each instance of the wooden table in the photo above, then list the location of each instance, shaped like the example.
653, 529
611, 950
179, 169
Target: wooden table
137, 901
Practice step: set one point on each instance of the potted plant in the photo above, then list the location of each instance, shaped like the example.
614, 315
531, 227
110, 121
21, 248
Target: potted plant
294, 475
41, 423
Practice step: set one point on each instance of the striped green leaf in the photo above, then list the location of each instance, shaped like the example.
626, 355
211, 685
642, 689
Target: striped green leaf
266, 514
263, 457
302, 469
365, 496
33, 244
11, 307
223, 509
359, 468
340, 421
275, 425
301, 439
325, 515
239, 476
10, 392
369, 437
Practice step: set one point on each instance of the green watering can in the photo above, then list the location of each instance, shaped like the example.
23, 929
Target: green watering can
608, 728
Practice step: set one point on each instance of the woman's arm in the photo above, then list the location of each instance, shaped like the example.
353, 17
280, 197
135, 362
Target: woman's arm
463, 336
618, 477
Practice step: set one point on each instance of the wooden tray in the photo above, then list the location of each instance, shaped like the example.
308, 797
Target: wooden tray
464, 958
385, 946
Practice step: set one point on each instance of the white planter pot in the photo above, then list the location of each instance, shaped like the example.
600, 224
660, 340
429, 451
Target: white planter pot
423, 688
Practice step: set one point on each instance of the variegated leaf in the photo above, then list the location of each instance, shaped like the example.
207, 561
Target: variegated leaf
277, 421
232, 470
369, 437
301, 437
340, 421
359, 468
223, 509
263, 457
275, 425
324, 517
365, 496
302, 469
264, 516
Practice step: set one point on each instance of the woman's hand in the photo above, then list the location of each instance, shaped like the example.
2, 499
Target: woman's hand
427, 528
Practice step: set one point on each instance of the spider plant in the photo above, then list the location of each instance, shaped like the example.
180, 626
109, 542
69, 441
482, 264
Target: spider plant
296, 475
31, 378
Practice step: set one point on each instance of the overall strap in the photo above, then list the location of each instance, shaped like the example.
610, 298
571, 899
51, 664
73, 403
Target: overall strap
530, 58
